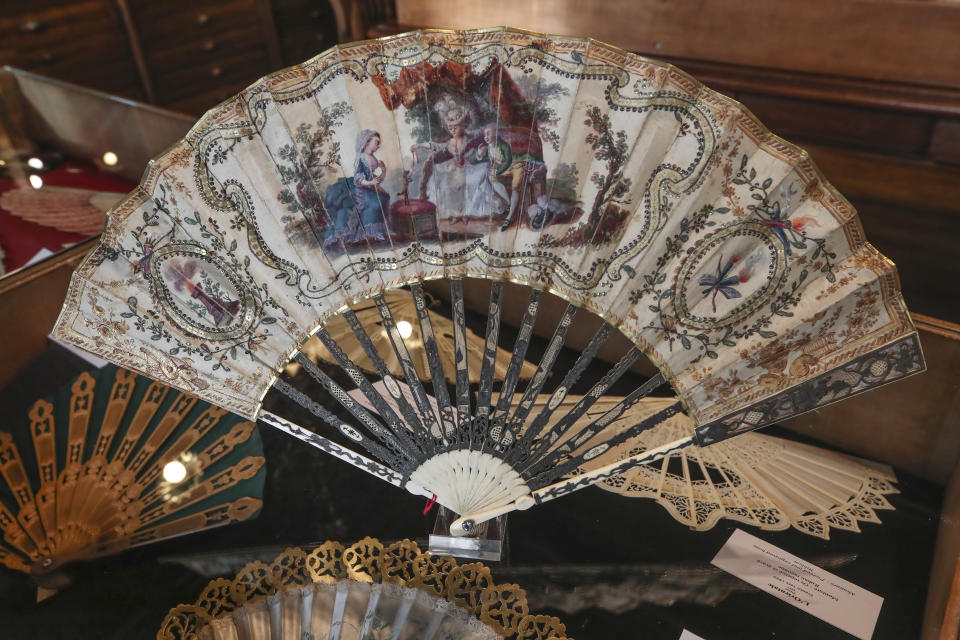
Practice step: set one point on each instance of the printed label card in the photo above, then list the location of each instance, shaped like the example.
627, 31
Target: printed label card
804, 585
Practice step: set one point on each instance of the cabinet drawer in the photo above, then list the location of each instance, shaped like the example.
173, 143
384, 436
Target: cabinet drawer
209, 77
302, 43
304, 28
153, 10
93, 60
13, 8
53, 27
200, 22
215, 48
299, 12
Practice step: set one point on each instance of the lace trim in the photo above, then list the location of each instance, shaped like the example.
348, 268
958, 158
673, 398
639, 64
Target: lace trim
728, 492
459, 590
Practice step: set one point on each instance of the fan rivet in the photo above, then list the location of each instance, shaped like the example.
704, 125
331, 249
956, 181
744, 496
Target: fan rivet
467, 526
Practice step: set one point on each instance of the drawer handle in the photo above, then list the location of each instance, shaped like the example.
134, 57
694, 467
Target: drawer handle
209, 45
203, 18
46, 58
32, 26
216, 72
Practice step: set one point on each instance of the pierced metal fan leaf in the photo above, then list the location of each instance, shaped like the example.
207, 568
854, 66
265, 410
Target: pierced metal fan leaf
617, 183
365, 590
118, 461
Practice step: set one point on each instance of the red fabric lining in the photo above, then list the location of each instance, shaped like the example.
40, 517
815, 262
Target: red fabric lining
21, 240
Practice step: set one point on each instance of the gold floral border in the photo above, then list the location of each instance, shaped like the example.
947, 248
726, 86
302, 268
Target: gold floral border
502, 607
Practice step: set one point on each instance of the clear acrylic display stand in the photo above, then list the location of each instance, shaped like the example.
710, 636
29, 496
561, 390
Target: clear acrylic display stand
487, 543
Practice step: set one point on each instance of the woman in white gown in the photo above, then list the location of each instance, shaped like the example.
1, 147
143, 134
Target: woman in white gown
459, 188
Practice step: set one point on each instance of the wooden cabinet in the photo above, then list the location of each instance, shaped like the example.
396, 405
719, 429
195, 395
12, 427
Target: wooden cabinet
870, 89
81, 42
304, 28
187, 56
194, 55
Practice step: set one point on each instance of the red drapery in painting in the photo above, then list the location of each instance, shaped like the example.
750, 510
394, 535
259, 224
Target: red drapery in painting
458, 79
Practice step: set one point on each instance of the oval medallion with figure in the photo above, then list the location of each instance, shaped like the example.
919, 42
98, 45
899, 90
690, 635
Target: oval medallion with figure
200, 293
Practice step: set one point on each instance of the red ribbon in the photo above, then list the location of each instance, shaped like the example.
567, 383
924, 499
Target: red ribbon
432, 501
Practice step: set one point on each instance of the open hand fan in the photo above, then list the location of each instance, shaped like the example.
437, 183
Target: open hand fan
615, 182
367, 591
404, 314
117, 461
760, 480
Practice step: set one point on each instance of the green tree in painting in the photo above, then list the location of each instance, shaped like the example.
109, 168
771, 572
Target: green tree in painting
608, 212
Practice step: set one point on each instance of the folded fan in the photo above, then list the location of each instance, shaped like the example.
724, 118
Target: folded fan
615, 182
93, 475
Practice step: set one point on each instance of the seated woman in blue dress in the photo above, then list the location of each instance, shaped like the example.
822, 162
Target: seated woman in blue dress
357, 206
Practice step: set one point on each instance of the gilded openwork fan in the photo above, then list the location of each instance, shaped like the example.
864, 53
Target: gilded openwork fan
617, 183
115, 461
366, 590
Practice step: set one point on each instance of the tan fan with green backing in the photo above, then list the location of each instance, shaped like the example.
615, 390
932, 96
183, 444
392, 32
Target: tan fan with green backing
116, 460
367, 590
566, 165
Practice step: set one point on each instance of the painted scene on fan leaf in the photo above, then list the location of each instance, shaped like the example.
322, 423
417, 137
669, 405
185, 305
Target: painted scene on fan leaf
475, 163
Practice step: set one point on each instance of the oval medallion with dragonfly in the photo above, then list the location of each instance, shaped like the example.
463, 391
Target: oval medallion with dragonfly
729, 276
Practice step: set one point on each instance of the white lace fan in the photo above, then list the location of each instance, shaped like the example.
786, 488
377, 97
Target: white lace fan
768, 482
615, 182
75, 210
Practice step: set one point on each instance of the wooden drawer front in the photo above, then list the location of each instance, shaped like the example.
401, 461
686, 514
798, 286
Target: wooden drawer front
164, 26
211, 50
154, 10
83, 43
12, 8
304, 28
302, 43
887, 131
24, 37
208, 77
293, 13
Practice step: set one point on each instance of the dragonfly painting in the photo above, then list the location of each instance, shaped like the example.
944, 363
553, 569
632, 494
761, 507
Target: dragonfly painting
723, 282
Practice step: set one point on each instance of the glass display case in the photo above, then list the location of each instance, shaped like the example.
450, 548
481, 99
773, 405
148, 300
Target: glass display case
605, 564
66, 154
